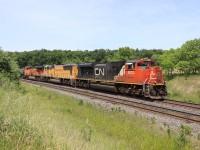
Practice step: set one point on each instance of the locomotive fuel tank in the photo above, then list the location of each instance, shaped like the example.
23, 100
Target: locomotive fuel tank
102, 86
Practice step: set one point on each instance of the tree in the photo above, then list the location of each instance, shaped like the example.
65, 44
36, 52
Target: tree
124, 53
168, 65
190, 52
167, 61
183, 67
8, 66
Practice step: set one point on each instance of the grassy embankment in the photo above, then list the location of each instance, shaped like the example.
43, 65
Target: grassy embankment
182, 89
39, 119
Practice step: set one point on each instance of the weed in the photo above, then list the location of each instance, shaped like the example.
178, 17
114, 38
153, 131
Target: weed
186, 129
118, 109
165, 124
169, 132
66, 110
153, 120
49, 97
87, 133
1, 120
136, 113
175, 93
80, 102
182, 138
198, 136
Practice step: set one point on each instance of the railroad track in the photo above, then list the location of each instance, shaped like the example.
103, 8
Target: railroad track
183, 104
188, 117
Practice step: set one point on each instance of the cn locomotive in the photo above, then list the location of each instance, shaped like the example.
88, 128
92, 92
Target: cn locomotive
134, 77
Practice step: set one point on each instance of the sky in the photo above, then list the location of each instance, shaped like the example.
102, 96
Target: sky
94, 24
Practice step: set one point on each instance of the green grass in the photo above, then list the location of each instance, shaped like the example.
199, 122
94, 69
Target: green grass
39, 119
185, 90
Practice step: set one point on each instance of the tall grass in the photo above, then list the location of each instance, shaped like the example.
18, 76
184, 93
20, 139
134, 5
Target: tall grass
39, 119
185, 90
17, 131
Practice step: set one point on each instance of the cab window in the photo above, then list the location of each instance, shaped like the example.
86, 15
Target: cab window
152, 64
143, 64
130, 65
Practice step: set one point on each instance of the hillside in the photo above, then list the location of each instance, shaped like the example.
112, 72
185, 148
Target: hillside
182, 89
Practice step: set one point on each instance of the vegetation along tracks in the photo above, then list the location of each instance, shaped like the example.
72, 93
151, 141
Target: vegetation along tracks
188, 117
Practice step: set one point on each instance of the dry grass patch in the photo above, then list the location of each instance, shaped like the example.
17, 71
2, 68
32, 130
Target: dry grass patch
185, 90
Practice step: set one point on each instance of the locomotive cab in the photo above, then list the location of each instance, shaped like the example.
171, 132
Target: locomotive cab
154, 83
143, 77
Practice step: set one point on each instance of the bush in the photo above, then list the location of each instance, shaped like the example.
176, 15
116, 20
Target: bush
9, 67
182, 138
8, 85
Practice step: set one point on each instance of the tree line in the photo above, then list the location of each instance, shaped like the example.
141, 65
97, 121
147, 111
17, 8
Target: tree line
185, 59
44, 56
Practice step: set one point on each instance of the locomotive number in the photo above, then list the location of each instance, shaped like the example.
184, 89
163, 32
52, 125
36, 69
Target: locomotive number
130, 72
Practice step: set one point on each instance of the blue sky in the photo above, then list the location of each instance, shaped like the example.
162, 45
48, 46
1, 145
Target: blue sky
93, 24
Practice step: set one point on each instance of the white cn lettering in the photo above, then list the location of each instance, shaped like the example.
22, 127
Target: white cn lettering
99, 71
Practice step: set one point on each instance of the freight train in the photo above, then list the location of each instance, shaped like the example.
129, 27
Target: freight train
135, 77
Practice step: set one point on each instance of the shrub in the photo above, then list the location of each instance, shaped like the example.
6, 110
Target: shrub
182, 138
9, 67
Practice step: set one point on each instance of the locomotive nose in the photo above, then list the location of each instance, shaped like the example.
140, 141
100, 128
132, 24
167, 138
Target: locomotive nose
156, 76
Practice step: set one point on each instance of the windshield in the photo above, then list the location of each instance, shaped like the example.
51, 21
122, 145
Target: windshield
146, 63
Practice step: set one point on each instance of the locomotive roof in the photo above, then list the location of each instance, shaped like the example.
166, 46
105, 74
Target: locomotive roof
39, 66
99, 65
71, 65
87, 65
49, 65
131, 61
65, 65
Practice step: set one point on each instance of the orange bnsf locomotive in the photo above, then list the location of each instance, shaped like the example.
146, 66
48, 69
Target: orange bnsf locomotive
135, 77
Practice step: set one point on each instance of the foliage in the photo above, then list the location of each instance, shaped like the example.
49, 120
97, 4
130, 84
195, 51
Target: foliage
8, 66
44, 57
124, 53
183, 66
190, 52
167, 61
182, 139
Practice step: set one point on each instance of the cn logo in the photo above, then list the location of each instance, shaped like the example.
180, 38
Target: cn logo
99, 71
